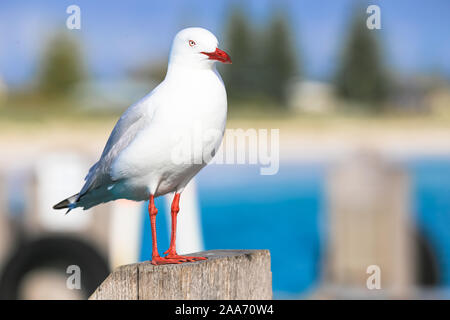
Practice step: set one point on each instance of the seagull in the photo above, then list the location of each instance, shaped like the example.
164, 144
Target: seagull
142, 158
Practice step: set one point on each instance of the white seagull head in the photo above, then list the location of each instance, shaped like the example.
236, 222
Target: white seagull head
197, 48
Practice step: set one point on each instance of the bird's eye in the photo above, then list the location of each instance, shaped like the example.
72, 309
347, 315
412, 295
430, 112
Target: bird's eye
191, 43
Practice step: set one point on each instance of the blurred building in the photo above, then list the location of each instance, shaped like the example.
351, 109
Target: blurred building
116, 93
311, 96
3, 91
421, 94
439, 99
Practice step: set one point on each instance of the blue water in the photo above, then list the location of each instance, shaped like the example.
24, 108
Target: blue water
285, 213
431, 202
243, 209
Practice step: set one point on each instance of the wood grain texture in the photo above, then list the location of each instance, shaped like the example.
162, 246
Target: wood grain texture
227, 274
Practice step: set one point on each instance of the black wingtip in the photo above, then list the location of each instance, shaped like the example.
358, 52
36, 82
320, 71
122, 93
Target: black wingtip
61, 205
66, 203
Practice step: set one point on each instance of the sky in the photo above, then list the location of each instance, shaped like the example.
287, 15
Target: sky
120, 35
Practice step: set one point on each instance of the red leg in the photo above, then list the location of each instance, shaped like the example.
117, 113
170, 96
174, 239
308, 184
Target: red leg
172, 252
156, 258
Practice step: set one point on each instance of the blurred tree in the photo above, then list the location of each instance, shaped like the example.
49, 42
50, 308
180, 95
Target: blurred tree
361, 75
62, 66
262, 63
240, 77
280, 59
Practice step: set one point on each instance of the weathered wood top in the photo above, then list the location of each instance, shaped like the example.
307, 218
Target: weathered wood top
227, 274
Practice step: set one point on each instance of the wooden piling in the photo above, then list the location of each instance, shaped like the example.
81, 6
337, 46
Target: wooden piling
227, 274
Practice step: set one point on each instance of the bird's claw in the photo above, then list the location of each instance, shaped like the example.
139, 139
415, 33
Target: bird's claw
184, 258
157, 261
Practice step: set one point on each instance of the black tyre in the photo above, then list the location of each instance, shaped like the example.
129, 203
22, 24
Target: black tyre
53, 253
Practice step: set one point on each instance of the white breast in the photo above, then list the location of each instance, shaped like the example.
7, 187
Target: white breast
187, 125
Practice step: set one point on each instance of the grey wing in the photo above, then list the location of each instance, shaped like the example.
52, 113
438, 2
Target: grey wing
123, 133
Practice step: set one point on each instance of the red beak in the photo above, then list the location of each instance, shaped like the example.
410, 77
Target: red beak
219, 55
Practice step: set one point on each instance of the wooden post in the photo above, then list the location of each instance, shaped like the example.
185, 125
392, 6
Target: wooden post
369, 225
227, 274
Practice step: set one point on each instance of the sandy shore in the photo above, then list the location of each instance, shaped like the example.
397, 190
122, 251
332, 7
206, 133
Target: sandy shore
300, 139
